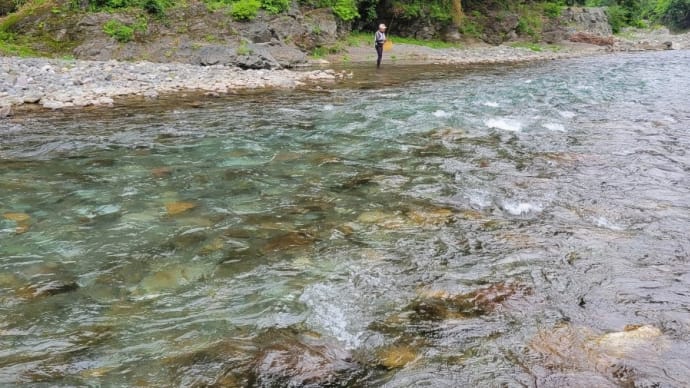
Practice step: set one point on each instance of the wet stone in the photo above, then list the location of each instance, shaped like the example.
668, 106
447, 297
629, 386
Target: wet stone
620, 358
48, 288
396, 356
288, 241
161, 172
431, 218
293, 359
177, 208
188, 238
440, 305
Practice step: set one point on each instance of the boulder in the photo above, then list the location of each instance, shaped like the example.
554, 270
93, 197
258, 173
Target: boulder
216, 55
286, 28
286, 56
248, 56
257, 57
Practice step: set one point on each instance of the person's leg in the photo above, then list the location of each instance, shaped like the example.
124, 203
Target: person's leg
379, 52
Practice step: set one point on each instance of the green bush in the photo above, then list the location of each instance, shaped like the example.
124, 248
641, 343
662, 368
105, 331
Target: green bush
552, 10
617, 17
155, 7
346, 9
245, 9
120, 32
275, 6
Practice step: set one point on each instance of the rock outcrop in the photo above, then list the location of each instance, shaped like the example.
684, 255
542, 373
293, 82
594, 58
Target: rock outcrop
578, 21
191, 35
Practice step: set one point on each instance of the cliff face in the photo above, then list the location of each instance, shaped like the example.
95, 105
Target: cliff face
192, 34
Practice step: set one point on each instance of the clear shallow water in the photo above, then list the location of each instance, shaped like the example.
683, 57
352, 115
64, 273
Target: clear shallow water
515, 226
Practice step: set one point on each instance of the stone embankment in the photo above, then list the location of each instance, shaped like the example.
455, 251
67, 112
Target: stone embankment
58, 84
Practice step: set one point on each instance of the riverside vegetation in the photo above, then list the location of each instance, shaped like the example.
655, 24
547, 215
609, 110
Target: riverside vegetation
59, 27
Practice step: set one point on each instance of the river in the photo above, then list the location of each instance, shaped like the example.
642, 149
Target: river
415, 226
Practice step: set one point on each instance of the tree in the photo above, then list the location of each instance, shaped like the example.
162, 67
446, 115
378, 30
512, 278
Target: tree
457, 12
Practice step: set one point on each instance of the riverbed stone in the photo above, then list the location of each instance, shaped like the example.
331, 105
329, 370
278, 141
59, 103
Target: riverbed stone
17, 217
47, 288
442, 305
298, 359
169, 278
177, 208
396, 356
618, 357
431, 218
288, 241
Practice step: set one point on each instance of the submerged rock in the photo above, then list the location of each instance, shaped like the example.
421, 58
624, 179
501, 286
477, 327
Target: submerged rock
580, 354
170, 278
440, 305
293, 359
176, 208
431, 218
288, 241
17, 217
48, 288
396, 356
22, 220
382, 219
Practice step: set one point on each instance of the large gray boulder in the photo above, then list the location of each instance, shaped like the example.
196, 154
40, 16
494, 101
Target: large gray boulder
245, 56
287, 56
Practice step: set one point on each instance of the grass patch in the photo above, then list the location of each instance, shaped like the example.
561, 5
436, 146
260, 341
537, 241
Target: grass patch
537, 47
318, 53
11, 46
359, 39
243, 48
436, 44
528, 45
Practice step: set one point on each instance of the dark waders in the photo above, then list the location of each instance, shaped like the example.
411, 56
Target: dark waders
379, 52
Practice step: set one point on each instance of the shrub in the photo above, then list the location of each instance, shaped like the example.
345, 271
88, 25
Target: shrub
275, 6
552, 10
120, 32
245, 9
617, 17
346, 9
155, 7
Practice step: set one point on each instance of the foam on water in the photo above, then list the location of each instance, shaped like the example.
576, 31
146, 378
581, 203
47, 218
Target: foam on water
554, 127
566, 114
490, 104
441, 113
520, 208
504, 124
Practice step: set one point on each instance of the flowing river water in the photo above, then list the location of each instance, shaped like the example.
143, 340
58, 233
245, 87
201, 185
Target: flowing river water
416, 226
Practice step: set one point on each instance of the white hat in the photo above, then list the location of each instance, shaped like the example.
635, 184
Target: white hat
382, 26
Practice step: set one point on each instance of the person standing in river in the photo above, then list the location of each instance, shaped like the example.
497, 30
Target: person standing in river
380, 40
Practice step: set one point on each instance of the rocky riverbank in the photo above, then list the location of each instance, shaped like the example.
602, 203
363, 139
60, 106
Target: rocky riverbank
55, 84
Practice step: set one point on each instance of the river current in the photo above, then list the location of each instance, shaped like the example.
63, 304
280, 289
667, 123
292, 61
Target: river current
416, 226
